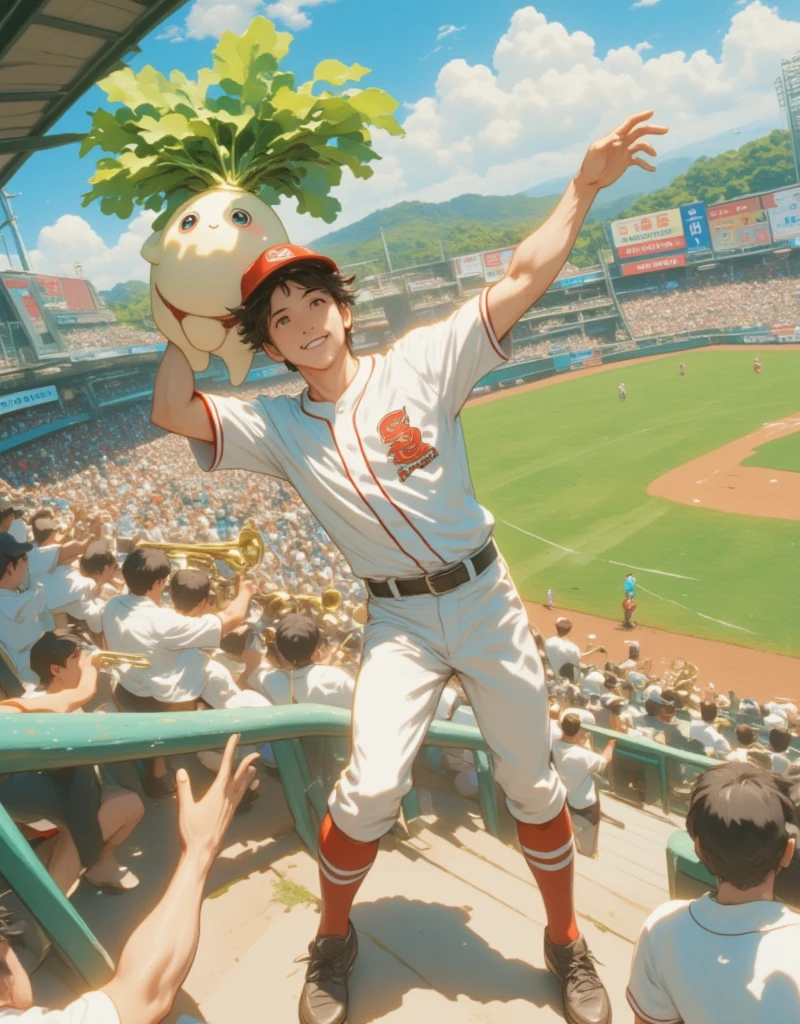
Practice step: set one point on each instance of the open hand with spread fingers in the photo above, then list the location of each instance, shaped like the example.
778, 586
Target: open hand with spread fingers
609, 157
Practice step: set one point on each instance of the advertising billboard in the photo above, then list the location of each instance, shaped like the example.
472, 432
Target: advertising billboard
469, 266
27, 399
741, 224
649, 234
783, 211
25, 303
496, 263
576, 280
695, 226
650, 266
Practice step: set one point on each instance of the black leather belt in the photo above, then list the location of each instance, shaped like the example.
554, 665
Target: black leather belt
440, 582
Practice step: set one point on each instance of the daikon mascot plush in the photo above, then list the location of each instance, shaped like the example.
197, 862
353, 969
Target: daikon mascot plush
213, 157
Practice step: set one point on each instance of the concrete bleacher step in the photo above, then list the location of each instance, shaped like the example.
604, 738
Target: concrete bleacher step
449, 920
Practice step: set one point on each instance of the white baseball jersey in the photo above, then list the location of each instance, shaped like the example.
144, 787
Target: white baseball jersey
23, 619
384, 469
93, 1008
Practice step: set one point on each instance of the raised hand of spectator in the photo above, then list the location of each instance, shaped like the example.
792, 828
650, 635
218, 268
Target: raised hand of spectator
202, 823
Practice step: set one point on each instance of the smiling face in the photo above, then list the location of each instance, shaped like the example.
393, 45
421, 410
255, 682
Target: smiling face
197, 262
306, 327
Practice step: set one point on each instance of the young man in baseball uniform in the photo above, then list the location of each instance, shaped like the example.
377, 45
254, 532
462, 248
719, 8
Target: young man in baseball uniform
375, 448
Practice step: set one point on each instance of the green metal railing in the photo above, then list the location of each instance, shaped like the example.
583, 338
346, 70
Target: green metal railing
39, 742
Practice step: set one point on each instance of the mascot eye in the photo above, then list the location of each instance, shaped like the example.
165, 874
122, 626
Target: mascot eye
189, 221
241, 218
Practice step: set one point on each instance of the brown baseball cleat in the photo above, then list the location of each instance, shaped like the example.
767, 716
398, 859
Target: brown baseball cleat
585, 998
330, 960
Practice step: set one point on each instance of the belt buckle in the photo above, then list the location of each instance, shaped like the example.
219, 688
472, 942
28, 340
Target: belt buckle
429, 585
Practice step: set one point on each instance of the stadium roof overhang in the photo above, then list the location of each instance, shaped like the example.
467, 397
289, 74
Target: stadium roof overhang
51, 53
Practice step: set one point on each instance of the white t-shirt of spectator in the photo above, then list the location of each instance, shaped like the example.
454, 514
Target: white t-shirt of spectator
780, 762
710, 737
576, 764
170, 641
69, 592
19, 531
593, 682
775, 720
560, 651
22, 622
93, 1008
314, 684
42, 561
702, 961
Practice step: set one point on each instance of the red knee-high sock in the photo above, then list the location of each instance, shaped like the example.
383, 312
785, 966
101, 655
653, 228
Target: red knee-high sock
343, 866
550, 852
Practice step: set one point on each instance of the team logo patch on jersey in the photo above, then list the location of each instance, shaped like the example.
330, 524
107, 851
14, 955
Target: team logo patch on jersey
406, 447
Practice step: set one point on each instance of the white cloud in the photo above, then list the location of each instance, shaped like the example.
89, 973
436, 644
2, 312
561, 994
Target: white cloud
448, 30
72, 240
528, 115
645, 3
171, 34
213, 17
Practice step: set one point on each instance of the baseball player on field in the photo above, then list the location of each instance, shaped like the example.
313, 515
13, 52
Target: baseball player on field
375, 448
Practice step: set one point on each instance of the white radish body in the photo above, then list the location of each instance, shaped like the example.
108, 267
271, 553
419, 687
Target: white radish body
197, 262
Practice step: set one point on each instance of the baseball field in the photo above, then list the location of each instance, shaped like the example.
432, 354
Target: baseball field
565, 468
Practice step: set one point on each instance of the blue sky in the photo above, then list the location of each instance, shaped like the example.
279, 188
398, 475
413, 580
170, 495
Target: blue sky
496, 96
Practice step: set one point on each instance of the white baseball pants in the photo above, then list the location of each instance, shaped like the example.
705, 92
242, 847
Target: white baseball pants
412, 647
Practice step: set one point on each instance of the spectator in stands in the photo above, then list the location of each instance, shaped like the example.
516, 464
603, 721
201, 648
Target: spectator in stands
23, 615
576, 763
593, 682
47, 552
660, 718
780, 743
611, 713
746, 744
561, 650
77, 593
704, 730
11, 521
157, 957
773, 717
729, 956
301, 679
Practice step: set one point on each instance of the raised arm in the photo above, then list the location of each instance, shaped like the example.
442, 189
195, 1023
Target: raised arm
176, 405
157, 957
234, 615
540, 257
61, 701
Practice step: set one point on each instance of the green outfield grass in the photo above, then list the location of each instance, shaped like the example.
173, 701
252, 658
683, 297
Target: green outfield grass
571, 464
781, 454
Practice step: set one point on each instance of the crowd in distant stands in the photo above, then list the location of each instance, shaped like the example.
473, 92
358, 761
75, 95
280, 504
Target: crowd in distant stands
113, 335
754, 302
13, 423
119, 388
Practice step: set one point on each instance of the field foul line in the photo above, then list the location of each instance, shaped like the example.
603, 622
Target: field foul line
608, 561
720, 622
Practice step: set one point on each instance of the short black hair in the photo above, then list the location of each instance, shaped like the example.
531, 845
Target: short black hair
571, 725
708, 711
144, 567
43, 529
745, 735
188, 588
651, 707
567, 671
739, 813
254, 312
610, 681
52, 648
97, 558
780, 740
237, 641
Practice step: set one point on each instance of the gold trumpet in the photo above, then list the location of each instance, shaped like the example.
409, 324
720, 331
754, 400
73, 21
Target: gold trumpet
244, 554
117, 658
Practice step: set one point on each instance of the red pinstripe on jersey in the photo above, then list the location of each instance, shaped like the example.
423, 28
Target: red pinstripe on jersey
483, 308
216, 428
372, 474
355, 487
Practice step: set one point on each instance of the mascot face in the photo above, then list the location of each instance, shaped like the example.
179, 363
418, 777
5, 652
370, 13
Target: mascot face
197, 262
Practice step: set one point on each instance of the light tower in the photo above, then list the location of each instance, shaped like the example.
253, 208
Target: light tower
788, 90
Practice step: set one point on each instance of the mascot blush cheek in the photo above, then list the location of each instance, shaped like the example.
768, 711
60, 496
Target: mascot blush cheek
196, 266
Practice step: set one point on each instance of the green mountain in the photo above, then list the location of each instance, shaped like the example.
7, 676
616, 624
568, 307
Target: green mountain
418, 232
129, 301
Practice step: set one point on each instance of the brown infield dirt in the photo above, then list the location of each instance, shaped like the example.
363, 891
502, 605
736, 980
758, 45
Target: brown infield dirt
750, 673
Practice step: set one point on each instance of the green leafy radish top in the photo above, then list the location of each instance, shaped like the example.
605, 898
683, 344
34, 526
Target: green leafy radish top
212, 157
